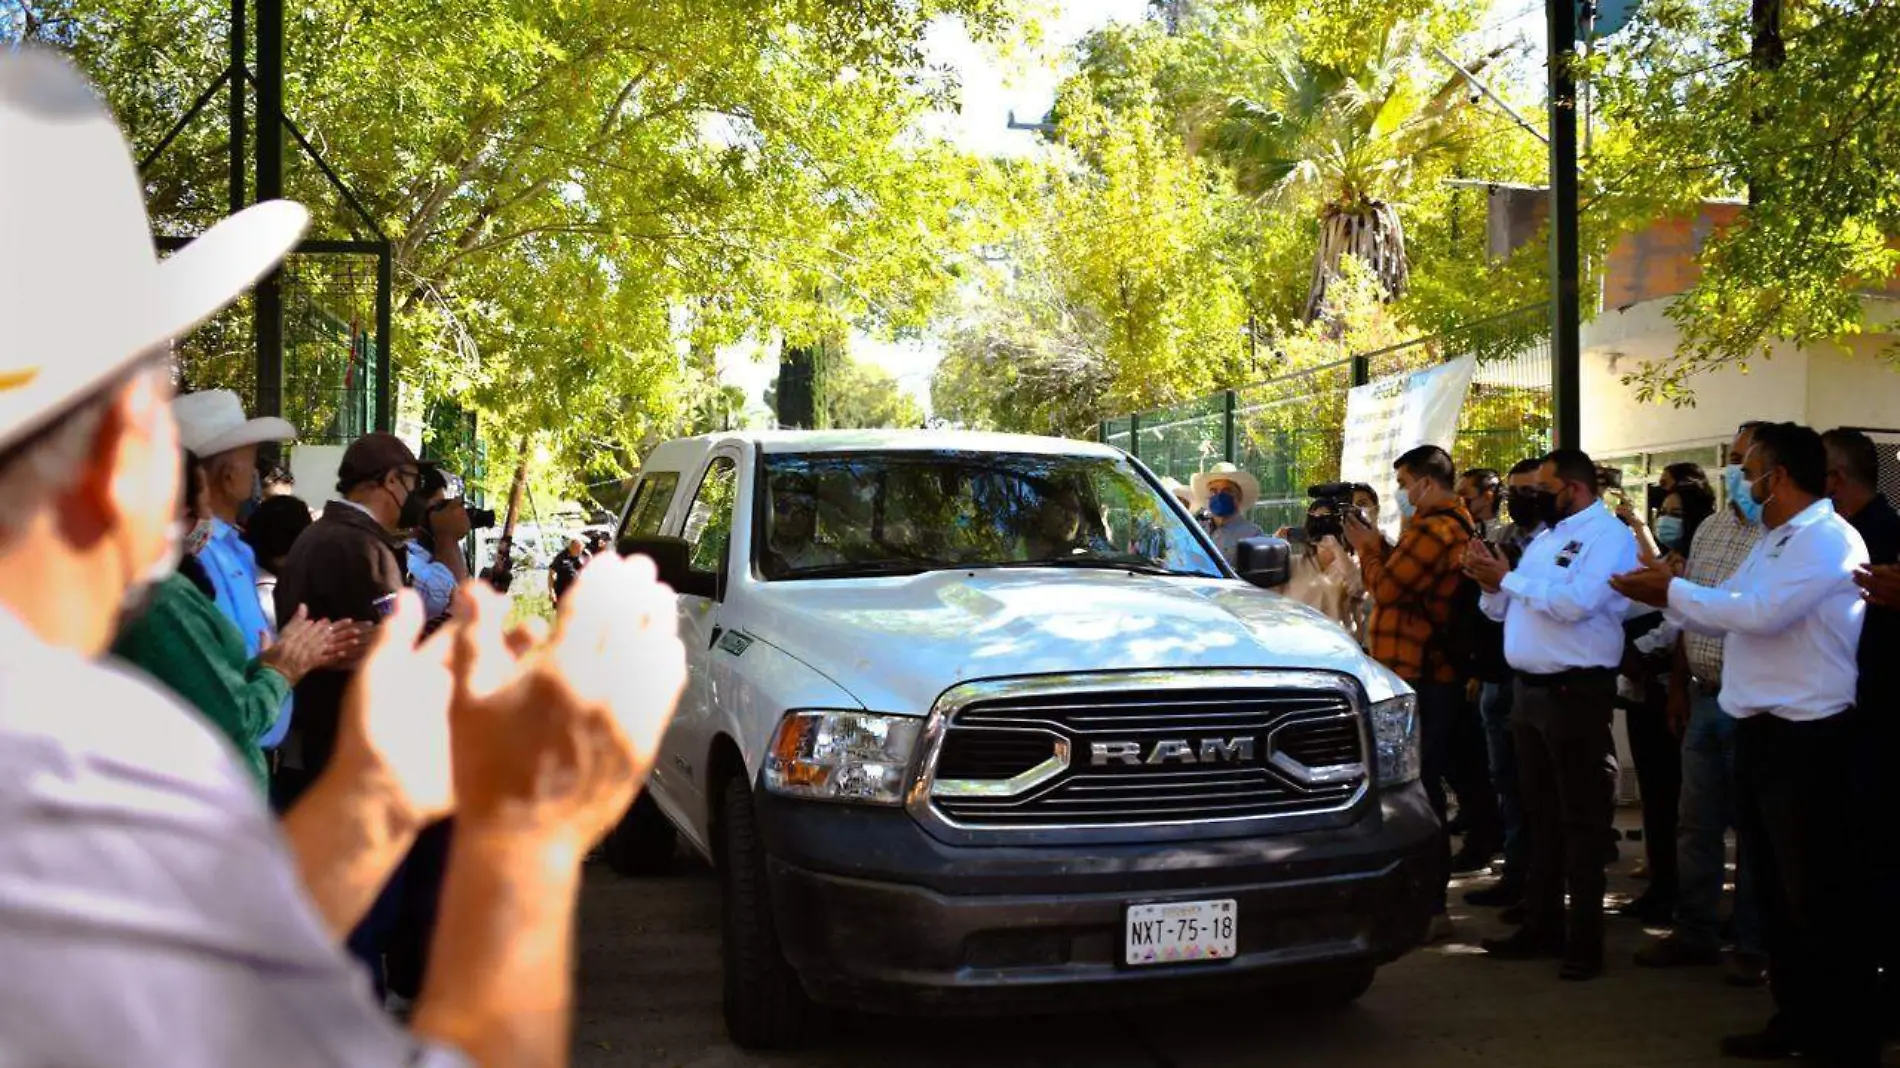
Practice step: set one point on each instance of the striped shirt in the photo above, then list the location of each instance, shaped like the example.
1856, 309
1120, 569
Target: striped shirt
1721, 543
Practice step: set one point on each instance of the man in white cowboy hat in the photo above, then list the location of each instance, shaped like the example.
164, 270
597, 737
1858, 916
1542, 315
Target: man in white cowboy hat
151, 911
1228, 493
212, 426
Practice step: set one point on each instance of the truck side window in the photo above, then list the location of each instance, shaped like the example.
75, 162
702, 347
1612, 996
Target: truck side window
651, 499
709, 523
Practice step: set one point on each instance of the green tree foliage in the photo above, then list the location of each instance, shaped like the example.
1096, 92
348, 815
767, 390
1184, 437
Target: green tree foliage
1215, 169
1808, 131
579, 192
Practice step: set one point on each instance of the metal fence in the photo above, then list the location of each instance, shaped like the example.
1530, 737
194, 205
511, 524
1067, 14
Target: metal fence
330, 358
1289, 431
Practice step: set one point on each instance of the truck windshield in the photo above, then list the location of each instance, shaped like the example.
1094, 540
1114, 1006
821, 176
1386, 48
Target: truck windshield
830, 515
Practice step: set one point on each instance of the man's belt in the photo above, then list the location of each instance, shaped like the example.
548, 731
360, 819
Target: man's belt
1562, 677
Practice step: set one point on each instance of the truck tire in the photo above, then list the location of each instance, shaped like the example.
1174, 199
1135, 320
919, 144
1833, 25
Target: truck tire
643, 842
765, 1007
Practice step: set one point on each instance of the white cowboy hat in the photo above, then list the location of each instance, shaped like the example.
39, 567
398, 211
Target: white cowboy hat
213, 422
83, 295
1226, 472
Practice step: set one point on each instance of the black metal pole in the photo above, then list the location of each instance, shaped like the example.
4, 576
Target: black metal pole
1566, 320
385, 283
238, 161
269, 301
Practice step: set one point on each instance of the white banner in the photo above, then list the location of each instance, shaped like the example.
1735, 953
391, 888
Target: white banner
1387, 417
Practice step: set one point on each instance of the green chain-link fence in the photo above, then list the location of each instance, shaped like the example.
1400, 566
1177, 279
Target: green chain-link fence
1289, 431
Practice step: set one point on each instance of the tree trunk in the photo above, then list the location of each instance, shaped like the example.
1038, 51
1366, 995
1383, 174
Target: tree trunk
1371, 233
501, 572
1766, 52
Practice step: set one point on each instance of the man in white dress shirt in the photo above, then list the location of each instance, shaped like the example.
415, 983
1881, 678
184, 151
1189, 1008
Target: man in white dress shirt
1791, 616
1563, 635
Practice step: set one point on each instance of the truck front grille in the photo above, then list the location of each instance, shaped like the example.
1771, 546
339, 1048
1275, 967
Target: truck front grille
1103, 757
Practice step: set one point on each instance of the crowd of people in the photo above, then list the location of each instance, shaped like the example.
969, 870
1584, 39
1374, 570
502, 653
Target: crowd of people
1747, 632
232, 738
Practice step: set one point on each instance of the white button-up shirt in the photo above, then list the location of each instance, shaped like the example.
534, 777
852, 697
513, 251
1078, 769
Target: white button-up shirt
1792, 617
1557, 607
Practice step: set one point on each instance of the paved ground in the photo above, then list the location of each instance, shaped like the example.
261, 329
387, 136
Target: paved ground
650, 997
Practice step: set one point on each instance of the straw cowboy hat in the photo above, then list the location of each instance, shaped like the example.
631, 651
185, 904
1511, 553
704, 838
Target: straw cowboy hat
213, 422
83, 295
1226, 472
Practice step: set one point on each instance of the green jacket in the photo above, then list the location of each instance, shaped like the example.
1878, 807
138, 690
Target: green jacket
183, 641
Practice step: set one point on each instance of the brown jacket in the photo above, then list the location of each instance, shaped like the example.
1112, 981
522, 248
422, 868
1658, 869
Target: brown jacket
340, 568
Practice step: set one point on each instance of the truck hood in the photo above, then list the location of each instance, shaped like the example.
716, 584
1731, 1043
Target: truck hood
897, 643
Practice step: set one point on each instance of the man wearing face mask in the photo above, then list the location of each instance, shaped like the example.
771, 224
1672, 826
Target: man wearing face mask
1414, 588
1790, 617
1563, 635
212, 426
348, 565
1227, 493
1495, 698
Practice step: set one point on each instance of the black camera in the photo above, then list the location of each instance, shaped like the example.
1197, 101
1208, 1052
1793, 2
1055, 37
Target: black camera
1332, 502
480, 518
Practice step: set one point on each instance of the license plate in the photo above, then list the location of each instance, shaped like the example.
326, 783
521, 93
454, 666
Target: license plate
1181, 932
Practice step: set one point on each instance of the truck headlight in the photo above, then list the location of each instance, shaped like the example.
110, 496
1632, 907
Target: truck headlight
1395, 736
842, 756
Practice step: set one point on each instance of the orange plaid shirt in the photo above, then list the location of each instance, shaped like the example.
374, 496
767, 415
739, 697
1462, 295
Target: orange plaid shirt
1414, 590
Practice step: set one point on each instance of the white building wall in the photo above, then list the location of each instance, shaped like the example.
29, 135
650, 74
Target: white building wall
1822, 387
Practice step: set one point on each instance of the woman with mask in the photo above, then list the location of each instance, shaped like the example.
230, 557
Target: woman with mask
1228, 493
1683, 509
184, 642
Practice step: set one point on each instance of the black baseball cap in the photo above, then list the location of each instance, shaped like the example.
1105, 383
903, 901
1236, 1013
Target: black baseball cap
372, 456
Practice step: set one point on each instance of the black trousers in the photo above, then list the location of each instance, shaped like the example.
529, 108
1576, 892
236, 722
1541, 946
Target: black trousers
1566, 763
1806, 819
1657, 752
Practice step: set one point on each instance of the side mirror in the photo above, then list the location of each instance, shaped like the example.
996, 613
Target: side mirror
1265, 562
673, 558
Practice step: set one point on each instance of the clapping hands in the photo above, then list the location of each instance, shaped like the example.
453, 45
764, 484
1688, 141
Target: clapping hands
550, 733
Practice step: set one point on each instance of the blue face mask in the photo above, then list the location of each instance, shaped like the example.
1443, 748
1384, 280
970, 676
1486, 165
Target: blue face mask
1406, 508
1741, 493
1669, 531
1223, 505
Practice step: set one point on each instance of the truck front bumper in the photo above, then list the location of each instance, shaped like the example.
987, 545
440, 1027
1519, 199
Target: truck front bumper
875, 913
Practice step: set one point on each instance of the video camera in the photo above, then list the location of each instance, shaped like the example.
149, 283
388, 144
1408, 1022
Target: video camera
478, 518
1332, 502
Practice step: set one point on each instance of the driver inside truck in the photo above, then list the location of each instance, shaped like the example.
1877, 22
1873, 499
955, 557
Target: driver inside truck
794, 526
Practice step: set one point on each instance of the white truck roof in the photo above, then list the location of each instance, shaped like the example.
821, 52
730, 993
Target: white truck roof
676, 455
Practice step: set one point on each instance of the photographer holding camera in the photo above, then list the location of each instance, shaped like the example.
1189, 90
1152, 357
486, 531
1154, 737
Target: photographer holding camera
439, 519
1324, 574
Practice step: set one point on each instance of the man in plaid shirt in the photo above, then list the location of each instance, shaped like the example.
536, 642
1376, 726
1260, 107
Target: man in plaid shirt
1414, 588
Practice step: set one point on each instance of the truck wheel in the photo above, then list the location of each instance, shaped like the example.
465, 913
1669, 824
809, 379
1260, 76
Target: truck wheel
765, 1007
1336, 989
642, 843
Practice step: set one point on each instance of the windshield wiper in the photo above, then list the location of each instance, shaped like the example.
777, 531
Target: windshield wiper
1106, 563
864, 569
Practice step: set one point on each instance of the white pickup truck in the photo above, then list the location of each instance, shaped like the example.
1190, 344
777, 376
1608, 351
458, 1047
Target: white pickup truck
980, 722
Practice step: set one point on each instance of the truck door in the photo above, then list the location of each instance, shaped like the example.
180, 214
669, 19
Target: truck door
707, 528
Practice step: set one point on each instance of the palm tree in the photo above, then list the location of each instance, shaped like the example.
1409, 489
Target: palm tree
1343, 140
